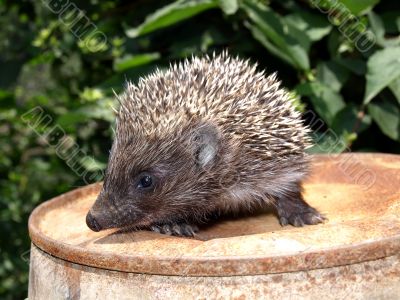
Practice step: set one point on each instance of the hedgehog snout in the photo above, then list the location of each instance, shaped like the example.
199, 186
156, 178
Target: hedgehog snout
100, 214
92, 223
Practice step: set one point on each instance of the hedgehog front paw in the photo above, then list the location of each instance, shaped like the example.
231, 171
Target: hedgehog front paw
298, 214
177, 229
302, 218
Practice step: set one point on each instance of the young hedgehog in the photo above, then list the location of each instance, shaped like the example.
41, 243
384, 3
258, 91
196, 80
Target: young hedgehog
208, 136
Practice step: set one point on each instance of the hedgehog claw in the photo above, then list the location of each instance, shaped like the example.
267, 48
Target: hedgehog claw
298, 213
176, 229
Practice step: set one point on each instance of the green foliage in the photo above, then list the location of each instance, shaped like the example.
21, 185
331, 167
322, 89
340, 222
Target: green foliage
171, 14
50, 62
383, 70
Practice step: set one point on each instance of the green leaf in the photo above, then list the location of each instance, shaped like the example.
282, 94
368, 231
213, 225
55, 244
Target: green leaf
378, 28
334, 43
359, 7
70, 119
326, 102
314, 26
383, 68
102, 110
130, 61
277, 35
350, 120
91, 95
332, 74
387, 116
357, 66
171, 14
395, 88
229, 7
259, 36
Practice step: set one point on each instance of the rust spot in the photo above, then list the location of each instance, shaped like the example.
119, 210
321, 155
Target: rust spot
277, 278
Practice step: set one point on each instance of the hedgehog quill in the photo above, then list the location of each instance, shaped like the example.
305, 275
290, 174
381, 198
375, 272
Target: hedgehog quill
208, 136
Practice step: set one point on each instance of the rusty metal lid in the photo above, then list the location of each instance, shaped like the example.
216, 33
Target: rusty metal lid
359, 193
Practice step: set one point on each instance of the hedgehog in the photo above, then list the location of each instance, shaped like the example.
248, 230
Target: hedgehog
209, 136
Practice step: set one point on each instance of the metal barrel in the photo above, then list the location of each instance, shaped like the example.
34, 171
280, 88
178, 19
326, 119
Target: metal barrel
355, 254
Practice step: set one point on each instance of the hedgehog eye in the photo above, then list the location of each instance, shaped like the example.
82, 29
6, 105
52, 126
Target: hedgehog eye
145, 181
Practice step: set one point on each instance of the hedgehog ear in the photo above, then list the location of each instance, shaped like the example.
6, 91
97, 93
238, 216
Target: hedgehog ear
207, 141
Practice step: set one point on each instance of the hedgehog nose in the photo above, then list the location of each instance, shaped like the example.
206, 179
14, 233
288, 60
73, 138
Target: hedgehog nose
92, 223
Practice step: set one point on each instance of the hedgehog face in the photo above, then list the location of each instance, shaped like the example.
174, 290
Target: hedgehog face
153, 181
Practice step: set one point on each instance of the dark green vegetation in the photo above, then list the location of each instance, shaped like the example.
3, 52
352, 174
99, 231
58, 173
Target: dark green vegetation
356, 92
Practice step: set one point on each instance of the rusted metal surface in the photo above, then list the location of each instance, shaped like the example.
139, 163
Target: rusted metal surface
358, 193
376, 279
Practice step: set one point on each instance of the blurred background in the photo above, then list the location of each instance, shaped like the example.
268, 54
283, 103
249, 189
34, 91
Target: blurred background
61, 60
